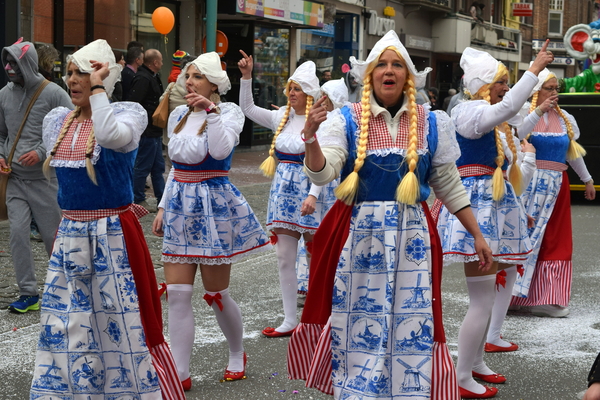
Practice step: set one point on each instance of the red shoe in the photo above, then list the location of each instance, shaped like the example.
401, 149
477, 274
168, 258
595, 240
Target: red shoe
492, 348
271, 332
493, 378
187, 384
489, 392
235, 376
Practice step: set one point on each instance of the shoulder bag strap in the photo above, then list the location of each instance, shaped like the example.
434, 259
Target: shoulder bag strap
29, 107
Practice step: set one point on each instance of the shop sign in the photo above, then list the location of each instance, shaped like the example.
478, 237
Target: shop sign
418, 42
380, 26
538, 43
298, 12
251, 7
563, 61
522, 9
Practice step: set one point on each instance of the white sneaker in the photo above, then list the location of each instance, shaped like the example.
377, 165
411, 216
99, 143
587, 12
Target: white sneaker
550, 310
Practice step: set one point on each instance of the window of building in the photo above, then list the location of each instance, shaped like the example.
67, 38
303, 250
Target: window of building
555, 23
555, 16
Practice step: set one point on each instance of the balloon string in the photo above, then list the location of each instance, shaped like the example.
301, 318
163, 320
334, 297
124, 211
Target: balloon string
166, 41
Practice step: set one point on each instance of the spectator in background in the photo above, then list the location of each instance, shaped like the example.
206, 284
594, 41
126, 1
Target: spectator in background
354, 88
422, 97
133, 60
117, 94
47, 55
135, 43
176, 93
451, 92
325, 76
28, 192
433, 93
146, 89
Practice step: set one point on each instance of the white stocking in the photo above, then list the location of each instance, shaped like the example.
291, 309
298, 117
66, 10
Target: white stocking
287, 250
503, 297
181, 326
230, 322
472, 332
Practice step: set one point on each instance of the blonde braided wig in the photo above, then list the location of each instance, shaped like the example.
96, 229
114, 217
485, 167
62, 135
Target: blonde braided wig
269, 165
515, 176
575, 149
407, 191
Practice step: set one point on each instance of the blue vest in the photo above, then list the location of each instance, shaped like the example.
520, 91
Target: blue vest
380, 176
550, 148
209, 164
480, 151
114, 174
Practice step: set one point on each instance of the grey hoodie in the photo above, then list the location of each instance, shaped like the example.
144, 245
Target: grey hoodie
14, 100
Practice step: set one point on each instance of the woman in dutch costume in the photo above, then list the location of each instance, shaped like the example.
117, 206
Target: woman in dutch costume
546, 281
481, 127
204, 220
336, 92
296, 207
101, 315
377, 269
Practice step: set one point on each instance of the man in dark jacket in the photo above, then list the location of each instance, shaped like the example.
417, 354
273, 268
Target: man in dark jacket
133, 61
146, 90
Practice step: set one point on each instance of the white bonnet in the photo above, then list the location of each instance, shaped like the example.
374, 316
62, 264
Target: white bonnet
306, 76
390, 39
100, 51
337, 91
543, 76
480, 69
209, 65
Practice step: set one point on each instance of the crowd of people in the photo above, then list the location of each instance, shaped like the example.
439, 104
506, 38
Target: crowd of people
353, 162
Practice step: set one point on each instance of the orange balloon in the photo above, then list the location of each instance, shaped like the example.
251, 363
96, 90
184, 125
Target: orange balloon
163, 20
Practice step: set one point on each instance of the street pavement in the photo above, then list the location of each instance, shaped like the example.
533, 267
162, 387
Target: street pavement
552, 363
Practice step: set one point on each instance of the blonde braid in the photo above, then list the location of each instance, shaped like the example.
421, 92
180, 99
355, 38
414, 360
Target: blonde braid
348, 188
309, 103
59, 139
269, 165
498, 177
534, 101
182, 121
408, 190
515, 177
575, 149
89, 153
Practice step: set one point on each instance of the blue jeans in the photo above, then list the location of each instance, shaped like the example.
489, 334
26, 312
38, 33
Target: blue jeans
149, 160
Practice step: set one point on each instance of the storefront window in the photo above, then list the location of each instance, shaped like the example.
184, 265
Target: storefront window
271, 71
317, 45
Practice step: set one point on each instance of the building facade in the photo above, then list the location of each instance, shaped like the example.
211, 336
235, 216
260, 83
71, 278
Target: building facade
280, 34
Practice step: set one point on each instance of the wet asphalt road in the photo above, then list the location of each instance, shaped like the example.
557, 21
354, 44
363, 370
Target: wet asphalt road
552, 363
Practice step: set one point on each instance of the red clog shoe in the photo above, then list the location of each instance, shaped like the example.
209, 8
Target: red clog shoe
187, 384
235, 376
492, 348
489, 392
493, 378
271, 332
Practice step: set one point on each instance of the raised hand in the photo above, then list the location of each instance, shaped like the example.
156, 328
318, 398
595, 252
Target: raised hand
527, 147
197, 101
100, 72
245, 65
549, 103
543, 58
317, 114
